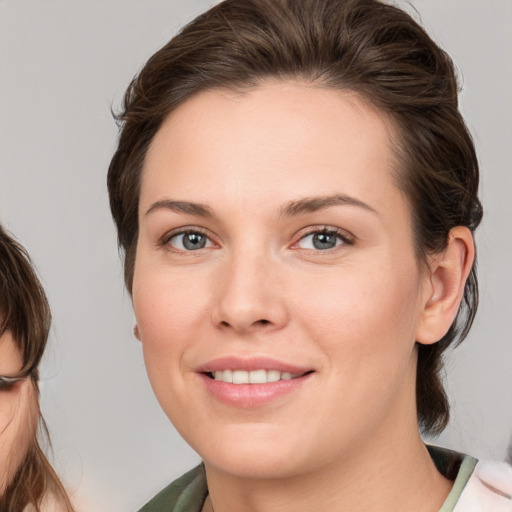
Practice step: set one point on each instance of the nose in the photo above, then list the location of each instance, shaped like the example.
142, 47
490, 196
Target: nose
250, 296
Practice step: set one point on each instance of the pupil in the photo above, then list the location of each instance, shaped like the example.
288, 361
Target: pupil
194, 241
324, 241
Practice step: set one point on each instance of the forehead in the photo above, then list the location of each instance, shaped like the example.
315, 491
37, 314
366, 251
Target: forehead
268, 137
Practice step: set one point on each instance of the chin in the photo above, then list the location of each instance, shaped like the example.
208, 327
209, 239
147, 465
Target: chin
254, 466
256, 453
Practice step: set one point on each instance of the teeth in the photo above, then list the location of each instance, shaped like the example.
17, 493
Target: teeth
253, 377
258, 377
240, 377
273, 375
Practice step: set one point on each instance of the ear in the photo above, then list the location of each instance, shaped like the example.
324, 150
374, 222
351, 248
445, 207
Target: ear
444, 285
136, 331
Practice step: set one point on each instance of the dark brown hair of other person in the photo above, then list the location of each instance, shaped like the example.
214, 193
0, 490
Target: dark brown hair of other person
365, 46
25, 313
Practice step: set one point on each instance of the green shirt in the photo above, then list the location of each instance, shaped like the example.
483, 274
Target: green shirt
187, 494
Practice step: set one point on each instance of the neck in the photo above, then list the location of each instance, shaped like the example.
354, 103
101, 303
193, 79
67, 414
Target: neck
390, 478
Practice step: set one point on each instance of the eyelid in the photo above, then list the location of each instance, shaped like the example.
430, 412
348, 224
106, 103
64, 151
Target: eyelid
7, 383
183, 230
180, 231
346, 237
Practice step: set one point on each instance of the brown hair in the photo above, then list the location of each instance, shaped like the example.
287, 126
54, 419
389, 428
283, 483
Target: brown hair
365, 46
25, 313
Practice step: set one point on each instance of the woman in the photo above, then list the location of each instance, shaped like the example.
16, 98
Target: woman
27, 480
295, 193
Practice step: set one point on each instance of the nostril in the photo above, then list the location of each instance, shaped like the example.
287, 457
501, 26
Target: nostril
244, 326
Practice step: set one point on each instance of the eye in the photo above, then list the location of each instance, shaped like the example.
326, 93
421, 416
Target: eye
189, 241
7, 383
322, 240
6, 386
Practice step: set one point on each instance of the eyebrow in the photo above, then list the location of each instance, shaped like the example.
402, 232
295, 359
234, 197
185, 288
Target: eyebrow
198, 209
290, 209
314, 204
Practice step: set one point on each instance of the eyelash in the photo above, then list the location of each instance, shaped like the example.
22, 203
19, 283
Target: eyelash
7, 386
343, 238
166, 239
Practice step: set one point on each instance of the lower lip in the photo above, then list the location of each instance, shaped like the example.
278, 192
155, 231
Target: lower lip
251, 395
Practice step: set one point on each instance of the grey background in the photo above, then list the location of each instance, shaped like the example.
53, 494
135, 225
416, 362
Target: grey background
63, 64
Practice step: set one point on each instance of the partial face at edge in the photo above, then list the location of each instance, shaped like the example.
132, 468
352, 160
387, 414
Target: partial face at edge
17, 405
271, 229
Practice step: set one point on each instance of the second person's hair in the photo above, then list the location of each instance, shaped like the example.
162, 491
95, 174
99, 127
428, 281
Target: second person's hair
25, 313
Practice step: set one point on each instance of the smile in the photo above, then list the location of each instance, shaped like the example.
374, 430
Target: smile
252, 382
252, 377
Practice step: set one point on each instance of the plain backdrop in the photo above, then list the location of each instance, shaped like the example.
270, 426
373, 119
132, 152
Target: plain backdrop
64, 64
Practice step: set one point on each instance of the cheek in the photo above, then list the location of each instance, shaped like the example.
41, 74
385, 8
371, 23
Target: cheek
364, 325
171, 312
369, 314
167, 306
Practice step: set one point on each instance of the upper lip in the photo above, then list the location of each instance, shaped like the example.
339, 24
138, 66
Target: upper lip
250, 364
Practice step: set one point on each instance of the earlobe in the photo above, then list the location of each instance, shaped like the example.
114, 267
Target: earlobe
447, 275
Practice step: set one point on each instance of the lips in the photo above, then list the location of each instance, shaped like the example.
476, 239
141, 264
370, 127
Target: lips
251, 364
251, 382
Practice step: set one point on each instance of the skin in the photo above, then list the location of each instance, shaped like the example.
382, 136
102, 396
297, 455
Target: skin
351, 313
15, 422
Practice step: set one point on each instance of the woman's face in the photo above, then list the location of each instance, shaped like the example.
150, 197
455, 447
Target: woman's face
274, 241
15, 407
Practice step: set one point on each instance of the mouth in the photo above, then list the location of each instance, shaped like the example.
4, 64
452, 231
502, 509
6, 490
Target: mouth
252, 382
260, 376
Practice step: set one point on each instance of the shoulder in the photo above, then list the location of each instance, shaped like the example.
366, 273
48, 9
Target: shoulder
478, 486
186, 494
488, 488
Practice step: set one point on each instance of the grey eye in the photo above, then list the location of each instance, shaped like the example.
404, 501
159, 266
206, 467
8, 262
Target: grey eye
325, 240
190, 241
320, 240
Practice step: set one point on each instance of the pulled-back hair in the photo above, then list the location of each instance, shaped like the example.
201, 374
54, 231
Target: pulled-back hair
25, 313
371, 48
